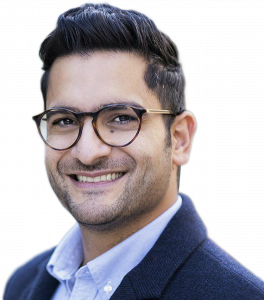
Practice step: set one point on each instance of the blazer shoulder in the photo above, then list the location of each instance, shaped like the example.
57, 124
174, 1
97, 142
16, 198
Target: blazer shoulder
211, 273
24, 275
222, 276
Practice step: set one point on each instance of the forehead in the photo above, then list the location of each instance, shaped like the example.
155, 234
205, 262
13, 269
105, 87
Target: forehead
90, 81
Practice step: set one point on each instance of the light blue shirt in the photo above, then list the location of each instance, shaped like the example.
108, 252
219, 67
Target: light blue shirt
99, 279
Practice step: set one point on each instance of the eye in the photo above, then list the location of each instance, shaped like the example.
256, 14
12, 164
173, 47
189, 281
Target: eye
64, 122
118, 118
124, 119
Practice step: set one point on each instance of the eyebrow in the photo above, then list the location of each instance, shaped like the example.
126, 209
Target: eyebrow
96, 108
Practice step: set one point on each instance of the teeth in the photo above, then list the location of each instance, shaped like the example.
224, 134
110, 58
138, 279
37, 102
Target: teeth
103, 178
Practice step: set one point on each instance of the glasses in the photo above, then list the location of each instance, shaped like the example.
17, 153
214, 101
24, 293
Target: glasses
116, 125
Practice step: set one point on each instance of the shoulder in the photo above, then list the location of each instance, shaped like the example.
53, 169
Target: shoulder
212, 273
228, 266
21, 279
206, 272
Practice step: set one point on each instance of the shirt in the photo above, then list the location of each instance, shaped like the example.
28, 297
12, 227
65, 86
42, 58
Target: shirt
99, 278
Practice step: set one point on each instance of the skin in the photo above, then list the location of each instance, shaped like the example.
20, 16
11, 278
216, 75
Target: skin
110, 212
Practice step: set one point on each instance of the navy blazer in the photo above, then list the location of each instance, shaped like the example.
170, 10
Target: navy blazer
183, 264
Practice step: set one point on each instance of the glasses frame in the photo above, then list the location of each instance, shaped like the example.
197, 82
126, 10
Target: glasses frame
81, 115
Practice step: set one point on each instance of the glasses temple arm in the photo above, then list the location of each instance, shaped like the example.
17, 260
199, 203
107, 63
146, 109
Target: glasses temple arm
162, 111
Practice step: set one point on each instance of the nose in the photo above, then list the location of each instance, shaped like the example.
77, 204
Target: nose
89, 147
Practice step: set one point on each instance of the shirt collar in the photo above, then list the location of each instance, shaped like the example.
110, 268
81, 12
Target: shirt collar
108, 269
68, 255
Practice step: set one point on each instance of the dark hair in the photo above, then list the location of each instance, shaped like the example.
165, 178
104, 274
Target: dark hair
98, 27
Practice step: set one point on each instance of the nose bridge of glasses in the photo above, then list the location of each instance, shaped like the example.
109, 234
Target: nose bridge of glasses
87, 127
92, 116
86, 118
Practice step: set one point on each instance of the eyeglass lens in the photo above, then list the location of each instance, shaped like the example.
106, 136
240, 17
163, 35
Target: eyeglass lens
116, 125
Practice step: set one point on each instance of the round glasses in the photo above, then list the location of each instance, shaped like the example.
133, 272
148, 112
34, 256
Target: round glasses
116, 125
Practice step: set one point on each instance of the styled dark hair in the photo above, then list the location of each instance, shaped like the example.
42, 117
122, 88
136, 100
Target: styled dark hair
96, 26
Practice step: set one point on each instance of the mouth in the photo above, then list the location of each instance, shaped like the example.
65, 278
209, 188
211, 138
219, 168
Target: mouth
102, 178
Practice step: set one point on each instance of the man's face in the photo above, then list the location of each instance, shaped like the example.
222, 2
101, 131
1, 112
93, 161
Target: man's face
144, 184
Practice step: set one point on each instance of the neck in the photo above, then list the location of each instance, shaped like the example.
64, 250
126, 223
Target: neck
97, 241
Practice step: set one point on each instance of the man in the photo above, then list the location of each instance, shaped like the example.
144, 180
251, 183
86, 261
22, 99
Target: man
116, 134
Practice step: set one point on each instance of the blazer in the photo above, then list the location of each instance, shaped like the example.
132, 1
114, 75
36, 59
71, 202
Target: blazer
183, 264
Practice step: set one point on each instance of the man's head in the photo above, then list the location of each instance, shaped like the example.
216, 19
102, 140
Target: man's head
101, 27
99, 55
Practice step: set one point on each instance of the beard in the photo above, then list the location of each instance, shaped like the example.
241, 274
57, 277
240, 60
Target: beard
144, 190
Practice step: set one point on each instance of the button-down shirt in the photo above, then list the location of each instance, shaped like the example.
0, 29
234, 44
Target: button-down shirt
99, 278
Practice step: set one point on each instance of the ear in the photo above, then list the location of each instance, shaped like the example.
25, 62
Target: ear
182, 132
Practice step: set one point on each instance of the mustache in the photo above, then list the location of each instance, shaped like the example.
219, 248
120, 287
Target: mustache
102, 164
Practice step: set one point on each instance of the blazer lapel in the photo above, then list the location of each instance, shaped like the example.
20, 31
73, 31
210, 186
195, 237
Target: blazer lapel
180, 238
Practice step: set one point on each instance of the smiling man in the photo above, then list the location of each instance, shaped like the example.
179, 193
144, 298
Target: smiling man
110, 188
116, 134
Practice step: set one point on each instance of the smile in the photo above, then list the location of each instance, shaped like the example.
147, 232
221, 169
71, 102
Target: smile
103, 178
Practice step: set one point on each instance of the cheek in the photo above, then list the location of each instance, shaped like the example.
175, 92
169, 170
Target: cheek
146, 156
52, 157
150, 144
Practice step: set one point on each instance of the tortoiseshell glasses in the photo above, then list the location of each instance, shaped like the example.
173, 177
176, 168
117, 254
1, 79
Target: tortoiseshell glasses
116, 125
